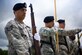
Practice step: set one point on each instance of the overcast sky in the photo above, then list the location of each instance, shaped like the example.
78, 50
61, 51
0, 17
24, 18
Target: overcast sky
70, 10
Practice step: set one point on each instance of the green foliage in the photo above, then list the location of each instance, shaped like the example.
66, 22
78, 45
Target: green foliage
3, 52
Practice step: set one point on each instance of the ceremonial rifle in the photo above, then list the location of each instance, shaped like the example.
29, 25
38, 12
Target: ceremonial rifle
36, 42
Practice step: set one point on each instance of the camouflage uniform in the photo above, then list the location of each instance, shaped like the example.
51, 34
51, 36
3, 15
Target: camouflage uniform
63, 47
45, 34
73, 48
19, 37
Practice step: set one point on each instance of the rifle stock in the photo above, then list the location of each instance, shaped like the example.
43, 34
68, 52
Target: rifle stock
36, 43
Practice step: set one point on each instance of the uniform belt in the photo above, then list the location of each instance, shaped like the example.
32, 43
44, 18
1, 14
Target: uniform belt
45, 42
62, 44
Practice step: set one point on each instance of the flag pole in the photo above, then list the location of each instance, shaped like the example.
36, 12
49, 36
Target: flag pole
55, 14
55, 18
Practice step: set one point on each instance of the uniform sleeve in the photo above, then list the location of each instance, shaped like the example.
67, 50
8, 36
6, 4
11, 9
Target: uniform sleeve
16, 39
53, 35
30, 34
68, 32
44, 32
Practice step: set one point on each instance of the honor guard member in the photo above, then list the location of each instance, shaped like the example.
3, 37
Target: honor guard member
18, 33
62, 35
47, 35
63, 47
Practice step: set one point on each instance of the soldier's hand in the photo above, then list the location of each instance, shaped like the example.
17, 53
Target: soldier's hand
37, 36
56, 25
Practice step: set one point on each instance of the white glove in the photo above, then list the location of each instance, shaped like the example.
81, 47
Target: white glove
56, 25
37, 37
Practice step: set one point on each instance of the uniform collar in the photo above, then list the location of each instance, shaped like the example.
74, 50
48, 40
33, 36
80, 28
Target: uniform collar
22, 25
61, 29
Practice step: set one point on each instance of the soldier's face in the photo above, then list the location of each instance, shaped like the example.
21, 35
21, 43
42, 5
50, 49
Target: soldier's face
21, 13
62, 25
52, 23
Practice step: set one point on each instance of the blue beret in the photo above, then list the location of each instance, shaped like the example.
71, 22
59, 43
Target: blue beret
61, 21
19, 6
48, 19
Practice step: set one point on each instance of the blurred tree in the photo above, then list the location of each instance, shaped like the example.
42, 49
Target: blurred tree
3, 52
